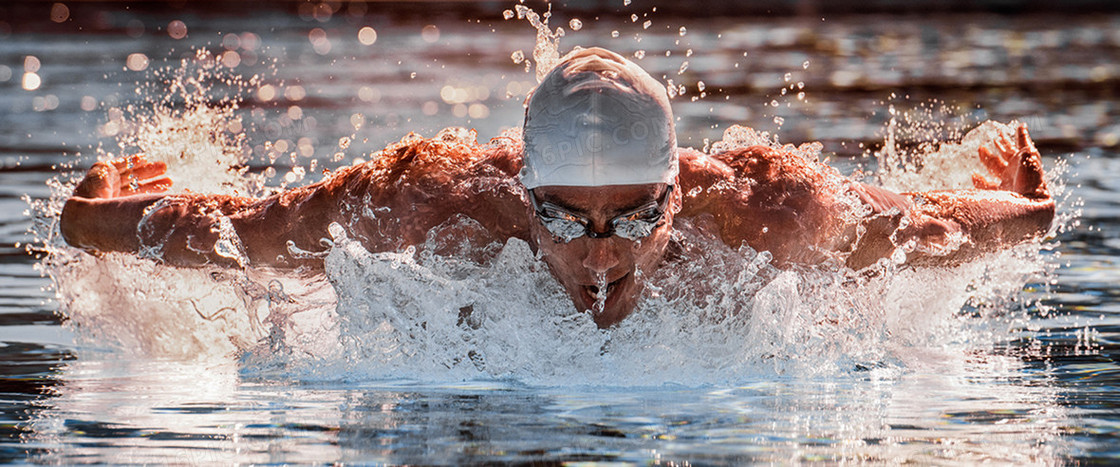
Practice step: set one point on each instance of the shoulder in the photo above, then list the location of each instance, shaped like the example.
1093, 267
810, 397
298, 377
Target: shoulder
781, 200
450, 158
788, 165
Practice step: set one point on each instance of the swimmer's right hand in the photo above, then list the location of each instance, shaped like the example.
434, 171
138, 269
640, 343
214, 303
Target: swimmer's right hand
123, 176
102, 215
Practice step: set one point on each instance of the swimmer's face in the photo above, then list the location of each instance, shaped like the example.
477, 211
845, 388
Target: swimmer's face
583, 263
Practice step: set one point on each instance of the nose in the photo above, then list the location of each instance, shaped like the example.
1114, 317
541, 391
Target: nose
601, 255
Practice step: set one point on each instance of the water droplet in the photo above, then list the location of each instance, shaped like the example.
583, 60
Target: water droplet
684, 66
783, 91
412, 75
700, 85
634, 18
517, 56
688, 53
805, 65
801, 96
779, 120
344, 142
614, 34
575, 24
683, 31
788, 76
625, 2
336, 231
508, 14
640, 54
800, 85
647, 24
774, 103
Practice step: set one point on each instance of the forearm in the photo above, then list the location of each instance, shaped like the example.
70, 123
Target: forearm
946, 227
989, 219
182, 230
105, 224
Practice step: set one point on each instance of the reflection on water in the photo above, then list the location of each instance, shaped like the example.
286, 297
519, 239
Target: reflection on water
334, 86
114, 411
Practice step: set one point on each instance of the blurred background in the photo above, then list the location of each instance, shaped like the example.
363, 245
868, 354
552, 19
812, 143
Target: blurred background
808, 70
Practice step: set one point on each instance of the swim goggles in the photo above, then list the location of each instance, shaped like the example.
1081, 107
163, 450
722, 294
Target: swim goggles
634, 225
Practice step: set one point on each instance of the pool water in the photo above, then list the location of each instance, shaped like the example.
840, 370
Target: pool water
1009, 359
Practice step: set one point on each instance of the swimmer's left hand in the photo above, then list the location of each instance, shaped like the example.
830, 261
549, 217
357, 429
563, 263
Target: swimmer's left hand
1015, 167
123, 176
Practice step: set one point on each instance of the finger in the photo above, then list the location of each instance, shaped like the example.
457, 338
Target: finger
1025, 139
145, 170
1003, 144
128, 162
99, 182
984, 182
1029, 181
994, 162
153, 186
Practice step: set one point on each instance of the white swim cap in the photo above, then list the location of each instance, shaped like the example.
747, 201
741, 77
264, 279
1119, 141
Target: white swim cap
598, 119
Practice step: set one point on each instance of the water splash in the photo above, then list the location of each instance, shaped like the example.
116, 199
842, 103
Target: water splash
546, 52
494, 310
193, 125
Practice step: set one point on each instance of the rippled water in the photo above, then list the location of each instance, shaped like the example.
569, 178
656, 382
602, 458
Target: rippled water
955, 369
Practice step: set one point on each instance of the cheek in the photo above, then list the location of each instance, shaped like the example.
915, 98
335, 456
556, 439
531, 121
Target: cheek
648, 253
561, 257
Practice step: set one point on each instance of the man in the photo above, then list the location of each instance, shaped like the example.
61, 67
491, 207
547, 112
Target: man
594, 189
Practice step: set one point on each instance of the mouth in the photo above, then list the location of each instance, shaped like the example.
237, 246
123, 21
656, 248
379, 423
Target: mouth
591, 292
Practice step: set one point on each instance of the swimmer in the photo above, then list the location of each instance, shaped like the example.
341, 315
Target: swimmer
593, 188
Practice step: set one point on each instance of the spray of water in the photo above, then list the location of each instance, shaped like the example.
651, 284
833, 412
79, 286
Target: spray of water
712, 314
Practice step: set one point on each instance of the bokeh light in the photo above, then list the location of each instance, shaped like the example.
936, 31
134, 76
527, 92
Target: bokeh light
89, 103
31, 64
60, 13
266, 93
430, 34
31, 81
137, 62
319, 41
231, 41
134, 28
367, 36
177, 29
369, 94
295, 93
231, 59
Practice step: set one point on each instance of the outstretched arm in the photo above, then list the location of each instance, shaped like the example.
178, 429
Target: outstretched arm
122, 206
387, 204
1010, 205
801, 211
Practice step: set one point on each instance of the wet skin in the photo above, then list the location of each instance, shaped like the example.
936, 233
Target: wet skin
585, 263
759, 196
